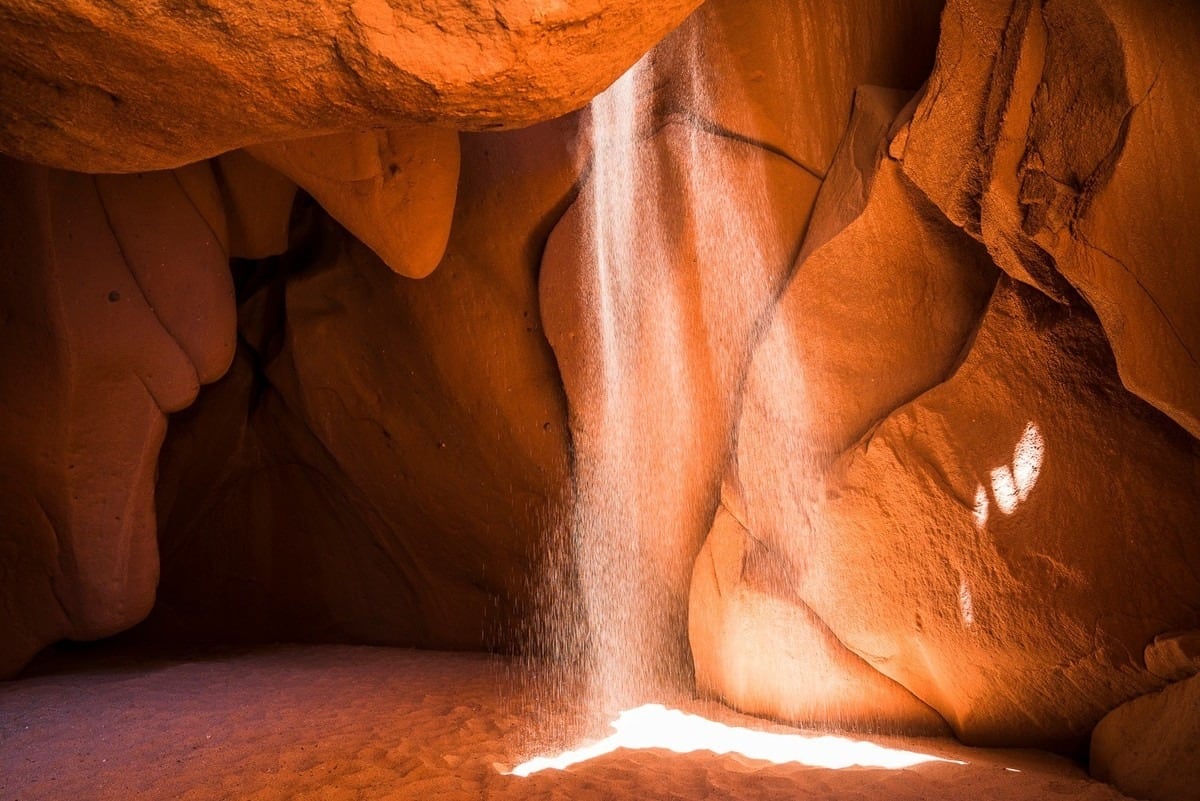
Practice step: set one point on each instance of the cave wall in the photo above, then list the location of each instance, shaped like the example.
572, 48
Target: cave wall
324, 371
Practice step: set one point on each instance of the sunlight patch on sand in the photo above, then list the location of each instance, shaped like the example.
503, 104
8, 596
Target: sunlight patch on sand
655, 726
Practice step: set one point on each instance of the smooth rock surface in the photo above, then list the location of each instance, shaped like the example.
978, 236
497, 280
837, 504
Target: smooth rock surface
1060, 136
760, 649
1147, 747
117, 304
180, 82
783, 73
1001, 507
870, 467
397, 452
879, 310
393, 189
258, 204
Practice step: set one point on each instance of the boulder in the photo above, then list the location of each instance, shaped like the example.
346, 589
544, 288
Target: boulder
1147, 747
180, 82
117, 304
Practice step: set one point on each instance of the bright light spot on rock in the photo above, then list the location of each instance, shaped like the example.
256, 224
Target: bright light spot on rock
1011, 485
981, 508
1004, 489
655, 726
1027, 461
966, 604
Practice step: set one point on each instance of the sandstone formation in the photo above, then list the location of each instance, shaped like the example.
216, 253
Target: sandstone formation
1147, 747
995, 582
393, 189
854, 335
117, 306
258, 204
762, 648
1000, 505
844, 348
1174, 655
783, 74
864, 400
178, 82
650, 494
1046, 132
398, 446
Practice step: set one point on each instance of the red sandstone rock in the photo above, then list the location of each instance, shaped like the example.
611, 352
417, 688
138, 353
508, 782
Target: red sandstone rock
114, 87
998, 583
386, 466
761, 650
995, 582
1045, 133
1174, 655
1147, 747
1001, 507
783, 73
393, 189
258, 202
872, 318
685, 301
118, 303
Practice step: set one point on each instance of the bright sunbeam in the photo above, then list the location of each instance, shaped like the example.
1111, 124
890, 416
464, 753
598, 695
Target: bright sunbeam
1011, 485
655, 726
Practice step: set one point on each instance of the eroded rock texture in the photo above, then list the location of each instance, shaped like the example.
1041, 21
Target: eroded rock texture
115, 87
1061, 135
1147, 747
398, 447
954, 481
117, 305
896, 386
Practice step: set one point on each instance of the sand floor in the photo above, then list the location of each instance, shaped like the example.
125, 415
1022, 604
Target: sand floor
335, 722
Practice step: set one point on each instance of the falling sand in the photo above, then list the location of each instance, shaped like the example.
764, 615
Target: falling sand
336, 722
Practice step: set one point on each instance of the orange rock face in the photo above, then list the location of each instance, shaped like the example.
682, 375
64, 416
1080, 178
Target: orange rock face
117, 305
952, 492
1046, 133
783, 73
183, 82
759, 646
997, 505
875, 403
399, 447
394, 190
1147, 746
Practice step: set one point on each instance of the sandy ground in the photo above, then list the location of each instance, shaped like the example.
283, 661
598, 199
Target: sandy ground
339, 722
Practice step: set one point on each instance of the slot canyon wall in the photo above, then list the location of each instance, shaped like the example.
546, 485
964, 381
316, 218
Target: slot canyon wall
296, 347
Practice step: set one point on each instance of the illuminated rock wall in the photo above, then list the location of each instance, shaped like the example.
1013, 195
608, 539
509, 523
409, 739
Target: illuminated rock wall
939, 463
